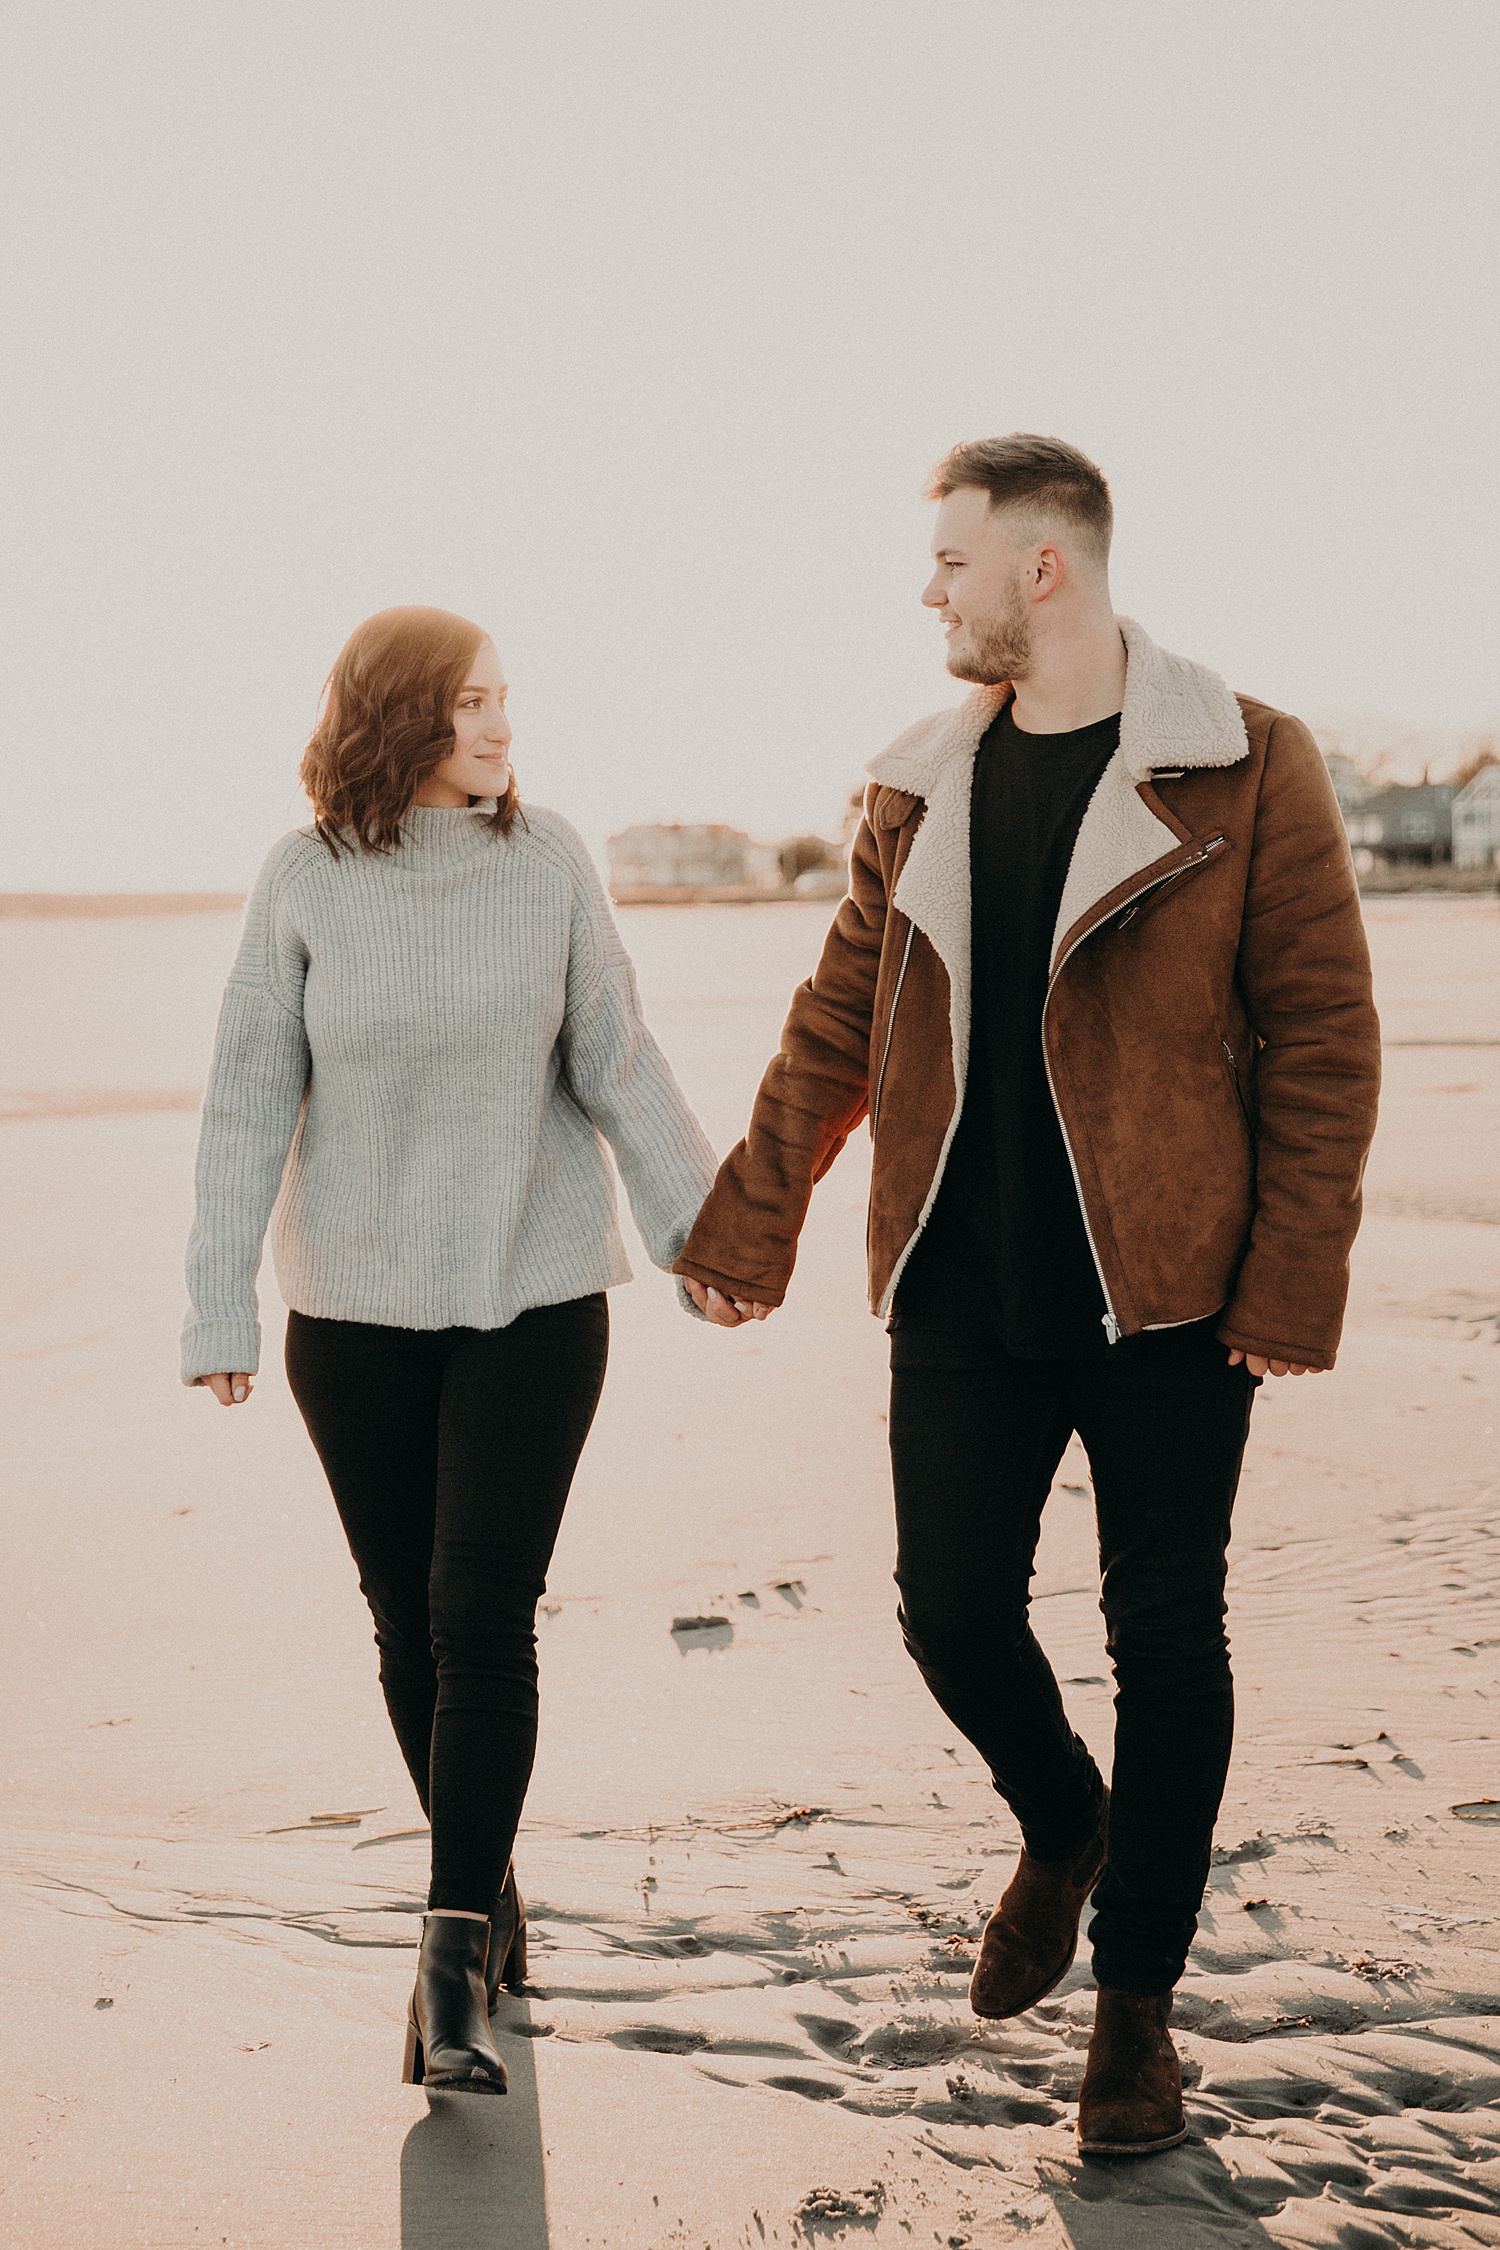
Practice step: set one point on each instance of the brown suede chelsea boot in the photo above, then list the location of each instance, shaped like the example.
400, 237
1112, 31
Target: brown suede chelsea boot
1131, 2103
1031, 1938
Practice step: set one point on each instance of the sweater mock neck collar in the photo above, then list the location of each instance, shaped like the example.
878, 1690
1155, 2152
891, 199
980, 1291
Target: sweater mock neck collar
434, 837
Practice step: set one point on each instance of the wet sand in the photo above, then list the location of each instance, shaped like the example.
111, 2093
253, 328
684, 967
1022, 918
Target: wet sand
757, 1855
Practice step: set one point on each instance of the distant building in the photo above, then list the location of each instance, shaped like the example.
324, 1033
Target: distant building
1405, 824
1476, 821
1350, 787
665, 854
657, 862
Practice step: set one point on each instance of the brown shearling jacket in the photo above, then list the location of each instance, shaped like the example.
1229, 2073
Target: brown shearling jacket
1210, 1034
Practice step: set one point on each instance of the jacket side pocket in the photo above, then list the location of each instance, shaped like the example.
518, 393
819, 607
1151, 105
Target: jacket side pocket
1233, 1068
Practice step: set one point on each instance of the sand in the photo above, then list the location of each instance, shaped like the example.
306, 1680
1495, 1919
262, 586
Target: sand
757, 1856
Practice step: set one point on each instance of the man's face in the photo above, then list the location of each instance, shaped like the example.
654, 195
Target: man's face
977, 590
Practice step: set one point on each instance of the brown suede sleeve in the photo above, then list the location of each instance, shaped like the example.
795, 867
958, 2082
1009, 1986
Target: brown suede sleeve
814, 1093
1304, 970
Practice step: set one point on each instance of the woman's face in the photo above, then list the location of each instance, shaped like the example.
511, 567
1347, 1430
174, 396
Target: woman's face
478, 765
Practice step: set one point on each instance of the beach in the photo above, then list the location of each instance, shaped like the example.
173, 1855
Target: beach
757, 1856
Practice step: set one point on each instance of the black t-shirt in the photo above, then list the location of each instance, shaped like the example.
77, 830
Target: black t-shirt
1006, 1240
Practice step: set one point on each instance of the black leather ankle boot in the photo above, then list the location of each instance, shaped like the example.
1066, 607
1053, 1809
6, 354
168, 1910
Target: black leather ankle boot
507, 1958
448, 2043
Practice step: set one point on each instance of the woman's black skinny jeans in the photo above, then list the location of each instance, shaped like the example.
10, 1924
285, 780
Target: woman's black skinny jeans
976, 1437
450, 1453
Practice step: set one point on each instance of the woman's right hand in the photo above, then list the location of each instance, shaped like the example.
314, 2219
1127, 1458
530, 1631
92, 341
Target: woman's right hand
725, 1312
229, 1390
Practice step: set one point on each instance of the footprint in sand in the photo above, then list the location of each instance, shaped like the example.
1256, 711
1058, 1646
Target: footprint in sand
701, 1632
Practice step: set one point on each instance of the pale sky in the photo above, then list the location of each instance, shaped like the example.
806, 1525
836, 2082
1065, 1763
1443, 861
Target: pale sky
633, 331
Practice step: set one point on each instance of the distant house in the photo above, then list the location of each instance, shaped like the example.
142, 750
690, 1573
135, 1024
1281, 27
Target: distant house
1404, 824
670, 855
663, 862
1349, 784
1476, 821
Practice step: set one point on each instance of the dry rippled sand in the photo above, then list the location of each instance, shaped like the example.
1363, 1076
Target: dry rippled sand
758, 1860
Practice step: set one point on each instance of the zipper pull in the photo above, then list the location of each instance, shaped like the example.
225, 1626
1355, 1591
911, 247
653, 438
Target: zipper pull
1111, 1328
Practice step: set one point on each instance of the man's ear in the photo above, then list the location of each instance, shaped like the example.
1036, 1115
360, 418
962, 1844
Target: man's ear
1045, 571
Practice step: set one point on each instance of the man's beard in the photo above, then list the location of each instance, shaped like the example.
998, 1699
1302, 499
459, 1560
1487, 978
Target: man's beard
999, 649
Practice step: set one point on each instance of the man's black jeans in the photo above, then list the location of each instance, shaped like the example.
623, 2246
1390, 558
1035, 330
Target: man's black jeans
450, 1452
976, 1438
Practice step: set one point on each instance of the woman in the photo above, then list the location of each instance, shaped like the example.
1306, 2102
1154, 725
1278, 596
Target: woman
430, 1022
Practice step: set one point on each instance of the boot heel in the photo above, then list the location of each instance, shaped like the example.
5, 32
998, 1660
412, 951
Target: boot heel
506, 1970
513, 1975
413, 2069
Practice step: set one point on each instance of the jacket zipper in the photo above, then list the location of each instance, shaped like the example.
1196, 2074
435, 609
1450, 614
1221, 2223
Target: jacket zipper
890, 1025
1109, 1316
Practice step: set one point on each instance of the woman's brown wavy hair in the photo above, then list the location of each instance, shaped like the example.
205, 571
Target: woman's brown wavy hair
386, 722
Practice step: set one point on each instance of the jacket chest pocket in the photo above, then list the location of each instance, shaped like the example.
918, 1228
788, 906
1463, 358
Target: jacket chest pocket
1166, 886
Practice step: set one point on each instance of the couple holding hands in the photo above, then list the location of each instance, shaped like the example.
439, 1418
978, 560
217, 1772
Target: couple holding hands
1101, 987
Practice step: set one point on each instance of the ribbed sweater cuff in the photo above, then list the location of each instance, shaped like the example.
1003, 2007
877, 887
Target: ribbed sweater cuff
220, 1347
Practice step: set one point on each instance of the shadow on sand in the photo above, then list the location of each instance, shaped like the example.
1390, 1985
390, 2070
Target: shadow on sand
472, 2170
1180, 2200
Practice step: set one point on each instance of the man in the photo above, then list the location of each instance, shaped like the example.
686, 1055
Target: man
1101, 985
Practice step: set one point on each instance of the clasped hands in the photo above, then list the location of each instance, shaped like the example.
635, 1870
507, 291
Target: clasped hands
724, 1312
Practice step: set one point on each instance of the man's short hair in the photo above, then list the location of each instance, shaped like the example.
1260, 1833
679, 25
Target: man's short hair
1040, 473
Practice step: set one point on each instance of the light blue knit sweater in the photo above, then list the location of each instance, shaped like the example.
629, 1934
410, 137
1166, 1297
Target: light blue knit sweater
417, 1055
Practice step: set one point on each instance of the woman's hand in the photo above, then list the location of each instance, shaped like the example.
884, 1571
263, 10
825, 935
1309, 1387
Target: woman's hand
229, 1390
724, 1312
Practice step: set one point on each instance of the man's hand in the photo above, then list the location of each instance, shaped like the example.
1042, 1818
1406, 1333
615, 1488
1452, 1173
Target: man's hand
724, 1312
1259, 1366
229, 1390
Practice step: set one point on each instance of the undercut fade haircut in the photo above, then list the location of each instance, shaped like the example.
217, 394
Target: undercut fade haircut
1042, 474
